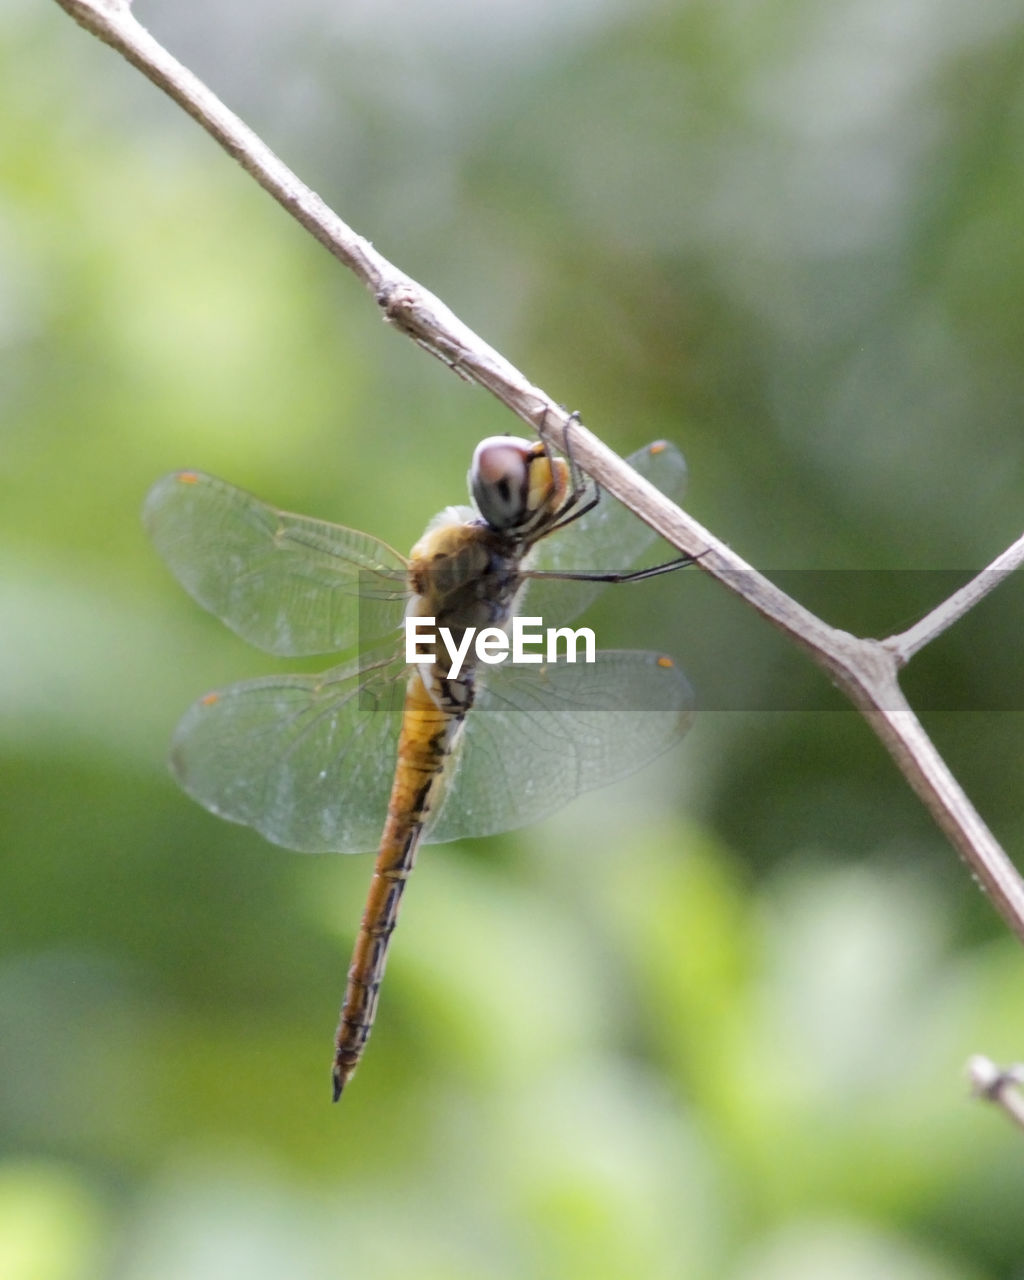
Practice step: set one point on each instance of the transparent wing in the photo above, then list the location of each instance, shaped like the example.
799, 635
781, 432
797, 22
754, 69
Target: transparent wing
608, 538
288, 584
307, 761
539, 736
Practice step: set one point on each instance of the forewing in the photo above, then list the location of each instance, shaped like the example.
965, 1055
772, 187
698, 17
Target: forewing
307, 761
539, 736
289, 584
609, 538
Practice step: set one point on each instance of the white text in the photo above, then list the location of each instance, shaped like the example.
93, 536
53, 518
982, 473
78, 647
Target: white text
494, 644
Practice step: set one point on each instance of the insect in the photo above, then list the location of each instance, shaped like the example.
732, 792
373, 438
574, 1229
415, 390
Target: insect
378, 753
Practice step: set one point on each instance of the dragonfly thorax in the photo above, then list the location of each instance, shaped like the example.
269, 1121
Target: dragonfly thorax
463, 574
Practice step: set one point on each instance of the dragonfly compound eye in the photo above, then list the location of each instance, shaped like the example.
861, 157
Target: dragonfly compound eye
499, 480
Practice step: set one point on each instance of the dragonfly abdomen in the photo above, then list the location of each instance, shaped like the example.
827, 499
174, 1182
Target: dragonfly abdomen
425, 745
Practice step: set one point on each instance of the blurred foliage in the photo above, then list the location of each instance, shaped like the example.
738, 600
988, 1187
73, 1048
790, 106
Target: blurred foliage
711, 1023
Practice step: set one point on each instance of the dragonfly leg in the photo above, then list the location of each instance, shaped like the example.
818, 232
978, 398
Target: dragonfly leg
628, 575
571, 508
653, 571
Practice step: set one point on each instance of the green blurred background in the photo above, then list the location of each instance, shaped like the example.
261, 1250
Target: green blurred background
708, 1024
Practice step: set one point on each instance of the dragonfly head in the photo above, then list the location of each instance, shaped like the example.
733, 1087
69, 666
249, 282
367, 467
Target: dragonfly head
516, 484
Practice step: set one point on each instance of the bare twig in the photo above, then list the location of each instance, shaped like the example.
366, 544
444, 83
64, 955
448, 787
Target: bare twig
866, 670
905, 645
1001, 1085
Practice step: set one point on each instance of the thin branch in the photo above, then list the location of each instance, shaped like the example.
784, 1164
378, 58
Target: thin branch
866, 670
908, 642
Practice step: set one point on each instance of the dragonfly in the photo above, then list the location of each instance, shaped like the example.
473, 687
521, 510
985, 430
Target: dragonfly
380, 754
